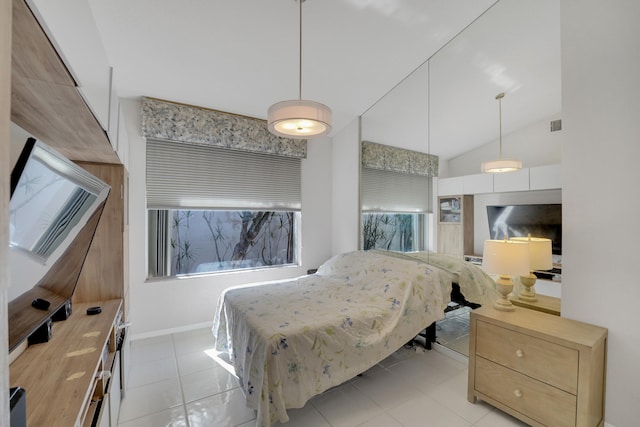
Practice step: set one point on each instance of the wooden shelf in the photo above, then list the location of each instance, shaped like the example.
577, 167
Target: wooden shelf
59, 376
455, 225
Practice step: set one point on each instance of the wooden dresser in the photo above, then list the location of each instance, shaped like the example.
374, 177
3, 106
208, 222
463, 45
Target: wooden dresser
543, 369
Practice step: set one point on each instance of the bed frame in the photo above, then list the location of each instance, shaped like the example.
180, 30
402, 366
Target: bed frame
429, 333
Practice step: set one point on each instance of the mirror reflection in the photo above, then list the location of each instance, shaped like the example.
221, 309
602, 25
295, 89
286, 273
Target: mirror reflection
446, 108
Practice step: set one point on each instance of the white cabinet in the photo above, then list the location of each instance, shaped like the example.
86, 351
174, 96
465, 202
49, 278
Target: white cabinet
450, 186
84, 56
545, 177
511, 181
477, 184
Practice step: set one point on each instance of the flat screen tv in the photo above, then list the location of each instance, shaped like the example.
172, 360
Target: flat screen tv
539, 220
54, 210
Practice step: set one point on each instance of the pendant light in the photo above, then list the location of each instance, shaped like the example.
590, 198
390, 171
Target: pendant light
299, 118
501, 165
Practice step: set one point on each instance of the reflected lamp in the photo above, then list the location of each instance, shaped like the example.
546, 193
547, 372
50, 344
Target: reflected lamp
505, 258
540, 258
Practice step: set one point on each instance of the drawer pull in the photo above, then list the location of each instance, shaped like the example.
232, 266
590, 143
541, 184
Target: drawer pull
519, 353
517, 392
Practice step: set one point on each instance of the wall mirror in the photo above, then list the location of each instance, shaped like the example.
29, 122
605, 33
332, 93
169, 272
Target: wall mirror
447, 106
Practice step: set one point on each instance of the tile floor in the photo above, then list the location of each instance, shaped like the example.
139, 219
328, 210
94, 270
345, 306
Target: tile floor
174, 382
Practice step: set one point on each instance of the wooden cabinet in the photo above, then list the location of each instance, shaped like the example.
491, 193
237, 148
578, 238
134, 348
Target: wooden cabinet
85, 56
543, 369
67, 380
45, 98
59, 376
105, 273
455, 225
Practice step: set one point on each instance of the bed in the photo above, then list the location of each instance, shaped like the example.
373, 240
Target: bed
291, 340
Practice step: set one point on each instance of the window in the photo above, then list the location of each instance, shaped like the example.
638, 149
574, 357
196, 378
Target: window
394, 210
204, 241
215, 209
402, 232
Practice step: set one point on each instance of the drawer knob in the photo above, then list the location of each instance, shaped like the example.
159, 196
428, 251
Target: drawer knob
517, 392
519, 353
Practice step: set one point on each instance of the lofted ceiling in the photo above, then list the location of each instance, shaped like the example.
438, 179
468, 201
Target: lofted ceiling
242, 56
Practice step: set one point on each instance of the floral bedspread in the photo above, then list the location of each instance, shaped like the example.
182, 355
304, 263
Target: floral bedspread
475, 284
291, 340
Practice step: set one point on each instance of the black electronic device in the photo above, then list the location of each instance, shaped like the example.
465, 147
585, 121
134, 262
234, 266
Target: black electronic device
92, 311
539, 220
18, 407
63, 312
40, 304
42, 334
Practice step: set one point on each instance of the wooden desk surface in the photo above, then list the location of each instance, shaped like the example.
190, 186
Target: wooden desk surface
58, 375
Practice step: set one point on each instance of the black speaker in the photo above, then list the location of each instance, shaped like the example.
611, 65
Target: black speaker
42, 334
18, 407
63, 312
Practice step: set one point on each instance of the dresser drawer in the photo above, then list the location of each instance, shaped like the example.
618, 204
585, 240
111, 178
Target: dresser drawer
543, 360
534, 399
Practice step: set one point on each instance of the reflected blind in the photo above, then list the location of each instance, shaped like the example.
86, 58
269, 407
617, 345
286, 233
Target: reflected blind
186, 176
389, 191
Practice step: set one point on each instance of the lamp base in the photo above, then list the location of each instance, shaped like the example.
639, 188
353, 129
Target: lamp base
503, 305
528, 293
504, 285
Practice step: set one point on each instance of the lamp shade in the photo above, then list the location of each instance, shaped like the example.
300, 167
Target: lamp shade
540, 257
299, 119
506, 257
501, 165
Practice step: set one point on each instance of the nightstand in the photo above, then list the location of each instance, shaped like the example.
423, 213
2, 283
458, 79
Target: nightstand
543, 369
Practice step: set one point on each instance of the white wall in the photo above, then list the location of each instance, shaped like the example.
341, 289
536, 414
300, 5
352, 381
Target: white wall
535, 145
162, 306
346, 189
601, 200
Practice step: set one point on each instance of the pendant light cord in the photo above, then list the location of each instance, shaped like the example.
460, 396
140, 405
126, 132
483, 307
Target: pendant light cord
499, 98
300, 55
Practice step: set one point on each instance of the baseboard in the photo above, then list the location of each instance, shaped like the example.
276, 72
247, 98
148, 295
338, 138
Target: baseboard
170, 331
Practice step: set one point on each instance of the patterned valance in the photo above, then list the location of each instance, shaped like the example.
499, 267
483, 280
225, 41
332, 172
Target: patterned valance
385, 157
184, 123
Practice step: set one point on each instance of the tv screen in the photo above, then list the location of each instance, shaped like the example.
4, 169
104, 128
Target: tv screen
54, 209
539, 220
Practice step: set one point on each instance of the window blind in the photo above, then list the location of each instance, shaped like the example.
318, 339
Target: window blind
389, 191
187, 176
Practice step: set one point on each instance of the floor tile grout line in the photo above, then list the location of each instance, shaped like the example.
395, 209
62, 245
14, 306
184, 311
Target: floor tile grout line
184, 401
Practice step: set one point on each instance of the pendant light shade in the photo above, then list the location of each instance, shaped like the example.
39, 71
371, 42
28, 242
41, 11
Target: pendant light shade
299, 118
501, 165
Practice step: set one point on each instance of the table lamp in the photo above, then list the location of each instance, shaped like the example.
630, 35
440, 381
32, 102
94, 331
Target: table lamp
540, 258
505, 258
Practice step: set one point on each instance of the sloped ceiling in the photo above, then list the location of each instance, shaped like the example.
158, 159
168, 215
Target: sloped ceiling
359, 57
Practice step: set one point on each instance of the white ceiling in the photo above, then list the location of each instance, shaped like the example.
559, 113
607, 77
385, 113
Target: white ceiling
242, 56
